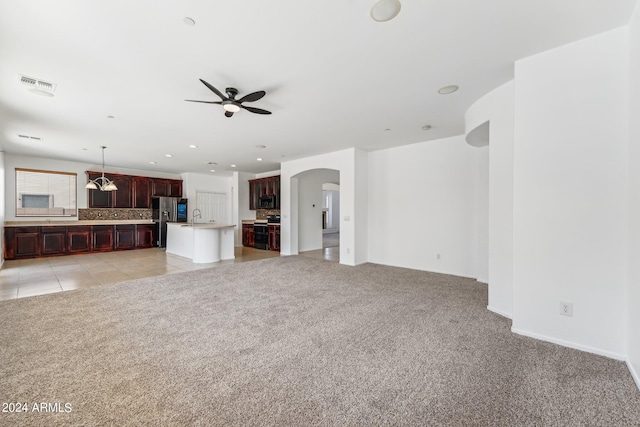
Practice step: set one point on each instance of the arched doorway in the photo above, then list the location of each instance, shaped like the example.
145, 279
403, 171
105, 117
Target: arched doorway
312, 211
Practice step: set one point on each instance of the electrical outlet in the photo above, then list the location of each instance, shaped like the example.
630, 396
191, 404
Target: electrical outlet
437, 256
566, 308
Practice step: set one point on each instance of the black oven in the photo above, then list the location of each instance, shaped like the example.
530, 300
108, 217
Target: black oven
260, 235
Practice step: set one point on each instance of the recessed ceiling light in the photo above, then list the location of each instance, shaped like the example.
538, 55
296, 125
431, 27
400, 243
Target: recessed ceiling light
153, 163
212, 170
259, 159
426, 127
168, 155
193, 146
448, 89
385, 10
189, 21
210, 163
387, 130
111, 117
233, 166
261, 146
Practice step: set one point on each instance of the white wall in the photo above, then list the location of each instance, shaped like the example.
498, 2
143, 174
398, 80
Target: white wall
197, 182
633, 296
570, 158
240, 184
353, 241
497, 107
482, 215
422, 202
3, 193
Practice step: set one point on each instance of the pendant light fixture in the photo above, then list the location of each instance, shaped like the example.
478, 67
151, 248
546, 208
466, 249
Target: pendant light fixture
101, 183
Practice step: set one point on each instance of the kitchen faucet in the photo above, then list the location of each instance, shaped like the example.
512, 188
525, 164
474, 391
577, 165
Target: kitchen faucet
196, 214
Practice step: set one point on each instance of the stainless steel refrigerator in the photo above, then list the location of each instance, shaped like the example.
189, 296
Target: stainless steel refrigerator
164, 210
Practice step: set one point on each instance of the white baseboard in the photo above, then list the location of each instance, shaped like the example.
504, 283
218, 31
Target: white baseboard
500, 312
570, 344
634, 374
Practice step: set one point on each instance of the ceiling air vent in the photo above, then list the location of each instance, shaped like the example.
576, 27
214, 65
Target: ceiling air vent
29, 138
37, 86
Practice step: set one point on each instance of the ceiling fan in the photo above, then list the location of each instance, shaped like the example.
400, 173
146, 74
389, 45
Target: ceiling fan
230, 103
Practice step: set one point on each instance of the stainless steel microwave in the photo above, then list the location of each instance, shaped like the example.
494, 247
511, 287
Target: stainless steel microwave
268, 202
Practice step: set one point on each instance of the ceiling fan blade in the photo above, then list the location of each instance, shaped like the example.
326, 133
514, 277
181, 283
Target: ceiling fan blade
256, 110
204, 102
214, 90
228, 113
252, 96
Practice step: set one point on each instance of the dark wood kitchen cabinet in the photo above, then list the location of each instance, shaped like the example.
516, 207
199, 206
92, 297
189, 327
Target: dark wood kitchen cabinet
247, 235
53, 240
274, 237
144, 236
98, 198
43, 241
159, 187
141, 192
78, 239
166, 187
102, 238
21, 242
125, 237
175, 188
122, 197
133, 191
269, 186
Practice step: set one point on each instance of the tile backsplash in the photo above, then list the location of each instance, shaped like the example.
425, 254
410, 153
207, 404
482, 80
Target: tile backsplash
111, 214
264, 213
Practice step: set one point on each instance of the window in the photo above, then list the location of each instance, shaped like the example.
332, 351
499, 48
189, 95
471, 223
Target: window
45, 193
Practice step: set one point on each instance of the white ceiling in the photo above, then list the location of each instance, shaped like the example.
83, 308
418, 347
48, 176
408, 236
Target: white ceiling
334, 77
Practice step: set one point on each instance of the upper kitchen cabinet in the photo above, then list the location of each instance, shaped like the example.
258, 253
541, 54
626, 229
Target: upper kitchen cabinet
122, 196
166, 187
133, 191
141, 192
269, 186
175, 188
98, 198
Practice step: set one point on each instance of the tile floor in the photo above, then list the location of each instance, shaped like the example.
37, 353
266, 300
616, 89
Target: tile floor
23, 278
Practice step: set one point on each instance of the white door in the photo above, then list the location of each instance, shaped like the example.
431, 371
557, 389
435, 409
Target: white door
213, 207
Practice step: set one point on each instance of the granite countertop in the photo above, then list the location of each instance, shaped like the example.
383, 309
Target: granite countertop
45, 223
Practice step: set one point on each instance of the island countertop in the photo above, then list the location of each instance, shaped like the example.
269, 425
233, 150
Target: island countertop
208, 225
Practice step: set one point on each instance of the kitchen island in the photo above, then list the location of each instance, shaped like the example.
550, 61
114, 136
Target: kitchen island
202, 243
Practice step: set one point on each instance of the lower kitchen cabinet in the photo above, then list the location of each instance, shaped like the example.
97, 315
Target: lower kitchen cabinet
144, 236
78, 239
53, 240
274, 237
247, 235
102, 238
42, 241
125, 237
21, 242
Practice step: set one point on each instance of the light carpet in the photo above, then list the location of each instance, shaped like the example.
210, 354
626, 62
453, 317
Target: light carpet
294, 341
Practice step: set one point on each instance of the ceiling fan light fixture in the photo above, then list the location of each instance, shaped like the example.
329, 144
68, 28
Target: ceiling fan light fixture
230, 106
385, 10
